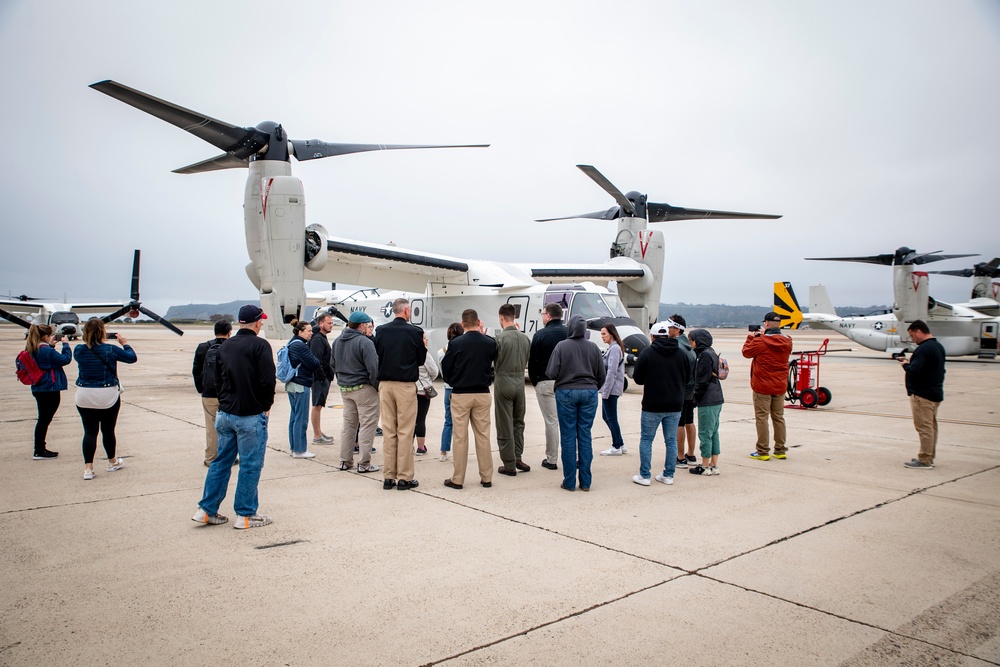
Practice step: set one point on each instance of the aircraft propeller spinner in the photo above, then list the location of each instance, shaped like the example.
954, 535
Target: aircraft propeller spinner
633, 204
989, 269
134, 306
266, 141
903, 256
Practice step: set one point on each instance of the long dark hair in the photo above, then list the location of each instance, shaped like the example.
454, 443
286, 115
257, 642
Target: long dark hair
614, 334
299, 327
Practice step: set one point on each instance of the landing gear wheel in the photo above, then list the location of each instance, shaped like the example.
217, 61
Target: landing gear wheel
808, 398
824, 395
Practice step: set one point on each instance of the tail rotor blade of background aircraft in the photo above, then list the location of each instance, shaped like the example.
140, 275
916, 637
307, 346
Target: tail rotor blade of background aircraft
312, 149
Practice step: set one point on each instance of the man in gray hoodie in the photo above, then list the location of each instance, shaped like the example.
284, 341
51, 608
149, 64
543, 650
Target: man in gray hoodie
577, 370
355, 363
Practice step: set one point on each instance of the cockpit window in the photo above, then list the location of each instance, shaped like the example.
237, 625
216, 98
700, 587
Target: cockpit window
589, 305
65, 317
616, 305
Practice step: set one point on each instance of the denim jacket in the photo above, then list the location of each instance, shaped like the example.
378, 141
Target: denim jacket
51, 361
93, 372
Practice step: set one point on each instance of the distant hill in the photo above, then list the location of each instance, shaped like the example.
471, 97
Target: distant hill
203, 311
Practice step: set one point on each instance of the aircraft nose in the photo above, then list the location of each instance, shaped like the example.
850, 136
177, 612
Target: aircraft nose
635, 343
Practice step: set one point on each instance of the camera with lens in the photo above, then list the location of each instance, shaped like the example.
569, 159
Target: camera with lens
753, 328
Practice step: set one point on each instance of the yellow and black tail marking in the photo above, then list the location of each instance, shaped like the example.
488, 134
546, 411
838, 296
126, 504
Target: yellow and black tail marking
786, 305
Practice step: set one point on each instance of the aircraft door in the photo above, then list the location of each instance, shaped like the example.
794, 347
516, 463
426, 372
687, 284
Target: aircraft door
988, 337
417, 312
520, 304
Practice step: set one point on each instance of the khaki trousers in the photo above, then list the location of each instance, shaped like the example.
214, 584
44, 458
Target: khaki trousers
211, 408
474, 409
545, 392
925, 421
773, 406
398, 403
361, 410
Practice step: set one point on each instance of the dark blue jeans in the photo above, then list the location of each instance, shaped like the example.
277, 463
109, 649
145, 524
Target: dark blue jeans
446, 429
609, 413
576, 409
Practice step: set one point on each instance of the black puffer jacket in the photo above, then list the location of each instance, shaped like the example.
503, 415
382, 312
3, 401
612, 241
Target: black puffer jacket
663, 369
707, 387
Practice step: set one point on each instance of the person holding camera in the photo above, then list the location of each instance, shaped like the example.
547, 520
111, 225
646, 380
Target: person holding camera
98, 393
41, 346
925, 387
769, 350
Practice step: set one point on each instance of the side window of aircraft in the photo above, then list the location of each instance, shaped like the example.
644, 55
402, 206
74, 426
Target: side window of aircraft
589, 305
617, 307
562, 298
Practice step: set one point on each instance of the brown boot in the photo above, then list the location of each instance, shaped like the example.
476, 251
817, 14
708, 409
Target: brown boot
504, 470
522, 466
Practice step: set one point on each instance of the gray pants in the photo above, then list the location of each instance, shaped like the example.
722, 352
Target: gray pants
546, 394
361, 409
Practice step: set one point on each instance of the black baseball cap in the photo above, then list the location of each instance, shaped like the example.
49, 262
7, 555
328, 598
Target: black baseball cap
250, 314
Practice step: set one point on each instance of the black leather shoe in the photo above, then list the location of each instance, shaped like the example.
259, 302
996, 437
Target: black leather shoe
487, 485
451, 485
522, 466
550, 466
566, 488
403, 485
388, 484
504, 470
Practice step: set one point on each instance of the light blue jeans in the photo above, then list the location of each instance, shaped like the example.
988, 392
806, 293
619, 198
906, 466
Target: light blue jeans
650, 422
576, 409
246, 436
446, 429
298, 420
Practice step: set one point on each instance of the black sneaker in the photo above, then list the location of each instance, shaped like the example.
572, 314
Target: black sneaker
404, 485
682, 463
550, 466
698, 470
691, 459
45, 454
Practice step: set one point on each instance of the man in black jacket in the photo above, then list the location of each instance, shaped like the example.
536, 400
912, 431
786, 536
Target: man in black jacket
209, 395
468, 368
542, 343
925, 386
401, 352
322, 377
245, 400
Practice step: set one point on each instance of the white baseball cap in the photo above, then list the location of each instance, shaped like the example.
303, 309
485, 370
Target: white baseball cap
663, 328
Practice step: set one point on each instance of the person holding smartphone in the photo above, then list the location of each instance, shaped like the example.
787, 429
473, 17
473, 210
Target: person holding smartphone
41, 346
98, 391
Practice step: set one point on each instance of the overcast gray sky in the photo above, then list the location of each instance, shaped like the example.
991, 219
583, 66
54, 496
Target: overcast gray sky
869, 124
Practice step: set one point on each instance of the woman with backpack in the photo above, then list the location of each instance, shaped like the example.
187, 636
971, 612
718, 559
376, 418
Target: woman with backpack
98, 391
614, 385
708, 399
41, 346
298, 388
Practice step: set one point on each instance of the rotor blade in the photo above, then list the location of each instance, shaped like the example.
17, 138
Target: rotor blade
927, 258
607, 186
135, 276
14, 319
240, 141
612, 213
153, 316
667, 213
311, 149
962, 273
224, 161
885, 260
115, 315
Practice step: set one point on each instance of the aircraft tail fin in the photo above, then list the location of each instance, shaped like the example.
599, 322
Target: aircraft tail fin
819, 300
787, 306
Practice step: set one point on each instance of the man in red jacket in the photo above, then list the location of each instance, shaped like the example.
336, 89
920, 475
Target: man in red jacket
769, 350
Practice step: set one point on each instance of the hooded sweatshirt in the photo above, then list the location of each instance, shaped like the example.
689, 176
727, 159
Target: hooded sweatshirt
707, 387
576, 363
354, 359
664, 370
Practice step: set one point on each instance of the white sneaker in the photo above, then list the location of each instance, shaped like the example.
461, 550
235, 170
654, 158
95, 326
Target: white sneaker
371, 467
301, 455
88, 473
713, 470
201, 516
640, 480
255, 521
323, 440
665, 480
444, 456
115, 464
613, 452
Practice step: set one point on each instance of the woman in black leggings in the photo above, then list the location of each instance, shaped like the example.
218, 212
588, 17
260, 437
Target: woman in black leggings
47, 391
97, 393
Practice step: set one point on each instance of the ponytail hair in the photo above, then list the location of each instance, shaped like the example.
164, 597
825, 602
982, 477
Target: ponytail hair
36, 334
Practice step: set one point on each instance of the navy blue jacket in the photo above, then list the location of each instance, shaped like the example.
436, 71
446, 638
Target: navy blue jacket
51, 361
925, 372
401, 351
542, 345
303, 361
94, 372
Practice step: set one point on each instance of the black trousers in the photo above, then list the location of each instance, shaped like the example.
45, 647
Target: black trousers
48, 404
103, 421
423, 406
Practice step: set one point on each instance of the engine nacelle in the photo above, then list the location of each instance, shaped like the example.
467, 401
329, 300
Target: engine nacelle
316, 251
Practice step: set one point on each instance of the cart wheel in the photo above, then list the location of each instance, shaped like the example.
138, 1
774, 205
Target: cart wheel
808, 398
625, 386
824, 395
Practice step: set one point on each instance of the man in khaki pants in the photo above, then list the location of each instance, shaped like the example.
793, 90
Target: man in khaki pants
401, 352
925, 386
468, 368
207, 387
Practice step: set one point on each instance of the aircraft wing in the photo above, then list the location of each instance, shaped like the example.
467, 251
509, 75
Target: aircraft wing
95, 308
20, 307
355, 262
621, 269
984, 306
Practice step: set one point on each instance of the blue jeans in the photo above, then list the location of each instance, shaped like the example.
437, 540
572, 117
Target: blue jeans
609, 413
576, 409
298, 421
650, 422
246, 436
446, 429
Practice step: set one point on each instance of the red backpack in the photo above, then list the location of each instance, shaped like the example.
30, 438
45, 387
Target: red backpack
28, 371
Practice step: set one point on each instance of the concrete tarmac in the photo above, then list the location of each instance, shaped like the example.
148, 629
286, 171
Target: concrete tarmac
837, 555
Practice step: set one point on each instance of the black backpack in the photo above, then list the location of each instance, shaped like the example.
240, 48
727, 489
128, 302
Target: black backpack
211, 372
